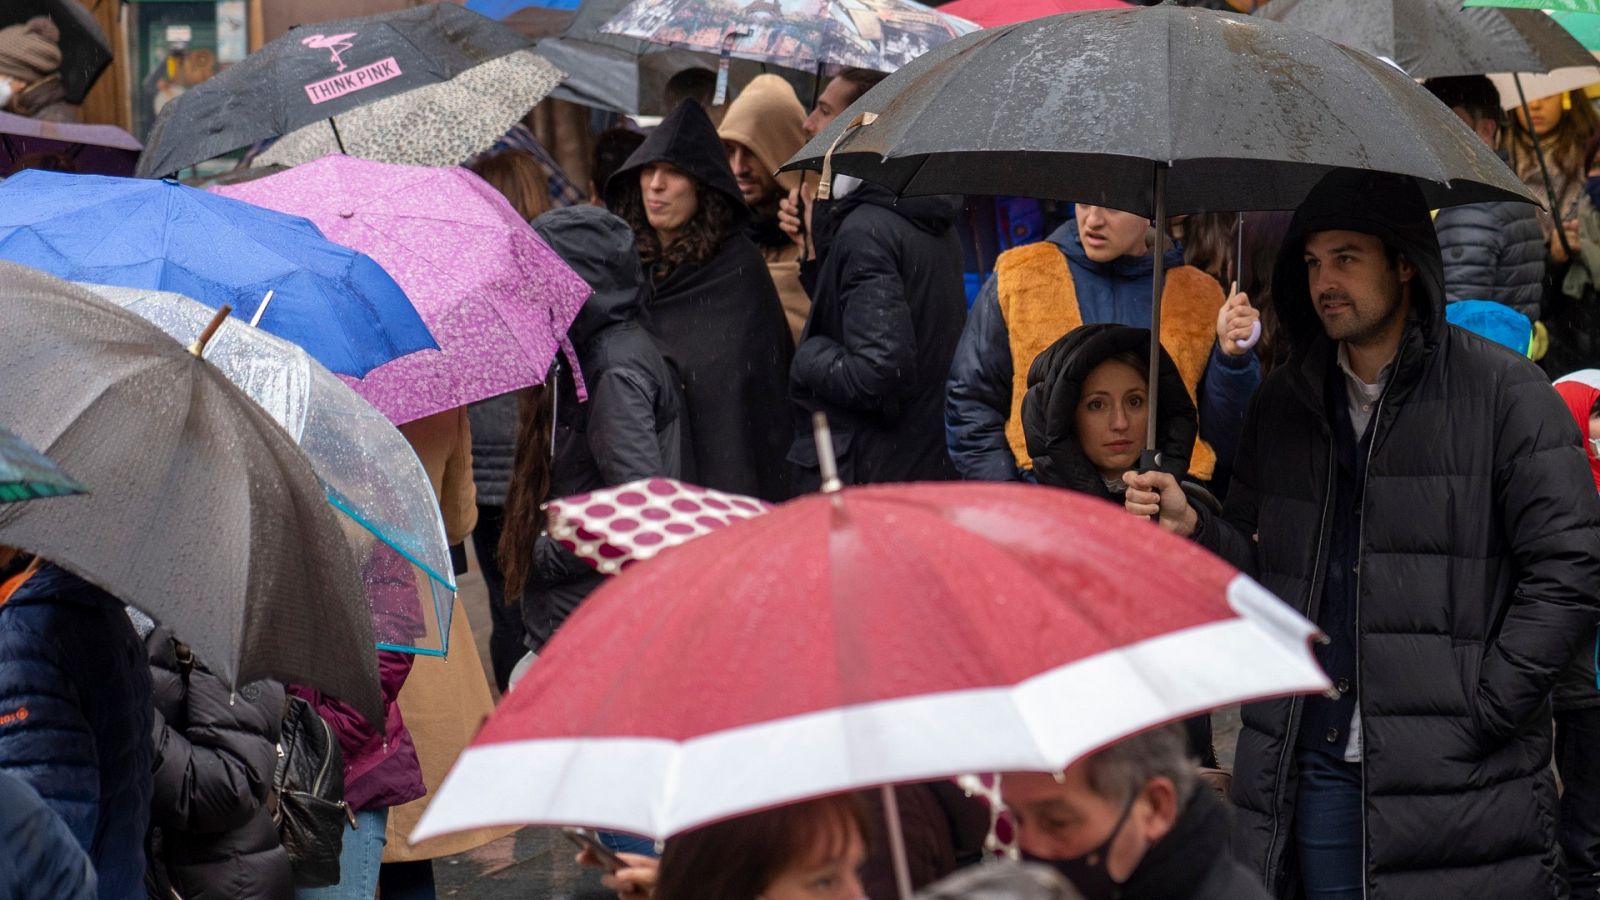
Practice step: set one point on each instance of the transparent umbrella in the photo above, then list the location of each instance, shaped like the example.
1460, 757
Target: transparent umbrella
368, 470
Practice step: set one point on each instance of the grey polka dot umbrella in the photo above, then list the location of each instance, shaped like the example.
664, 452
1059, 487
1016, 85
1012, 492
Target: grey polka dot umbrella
441, 124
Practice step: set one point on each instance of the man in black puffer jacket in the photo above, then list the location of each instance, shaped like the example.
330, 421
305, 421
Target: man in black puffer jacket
215, 752
1419, 493
888, 306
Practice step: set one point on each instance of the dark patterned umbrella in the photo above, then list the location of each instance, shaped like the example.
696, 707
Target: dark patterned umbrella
317, 72
205, 514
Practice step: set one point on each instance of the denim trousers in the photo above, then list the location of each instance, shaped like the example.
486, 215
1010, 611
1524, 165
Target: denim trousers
358, 860
1327, 826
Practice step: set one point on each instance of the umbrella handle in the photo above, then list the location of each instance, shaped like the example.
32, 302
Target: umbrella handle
198, 348
826, 464
825, 189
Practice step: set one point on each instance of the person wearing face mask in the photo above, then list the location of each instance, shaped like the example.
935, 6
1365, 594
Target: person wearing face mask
712, 308
1096, 268
1577, 694
763, 127
30, 80
1131, 821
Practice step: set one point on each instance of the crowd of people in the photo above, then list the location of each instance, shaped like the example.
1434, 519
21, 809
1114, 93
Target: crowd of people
1422, 493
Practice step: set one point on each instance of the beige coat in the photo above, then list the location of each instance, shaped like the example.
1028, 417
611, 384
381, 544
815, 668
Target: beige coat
445, 700
767, 118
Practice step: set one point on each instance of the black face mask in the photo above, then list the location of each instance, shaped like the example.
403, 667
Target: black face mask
1088, 873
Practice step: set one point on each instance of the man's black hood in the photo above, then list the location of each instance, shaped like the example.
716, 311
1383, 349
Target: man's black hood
1389, 207
686, 139
1055, 385
600, 248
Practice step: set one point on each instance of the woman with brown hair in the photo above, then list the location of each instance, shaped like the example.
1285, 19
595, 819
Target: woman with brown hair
714, 309
630, 428
811, 850
1563, 125
520, 178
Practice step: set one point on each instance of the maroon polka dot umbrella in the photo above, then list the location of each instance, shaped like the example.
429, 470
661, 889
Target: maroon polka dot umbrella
868, 636
616, 527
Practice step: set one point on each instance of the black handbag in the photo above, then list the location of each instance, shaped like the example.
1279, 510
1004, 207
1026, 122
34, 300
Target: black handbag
308, 796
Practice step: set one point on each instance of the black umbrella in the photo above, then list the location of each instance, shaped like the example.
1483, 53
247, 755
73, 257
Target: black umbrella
316, 72
205, 513
1155, 111
85, 52
1436, 38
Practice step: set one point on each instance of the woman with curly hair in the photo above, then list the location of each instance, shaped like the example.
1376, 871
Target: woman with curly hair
714, 310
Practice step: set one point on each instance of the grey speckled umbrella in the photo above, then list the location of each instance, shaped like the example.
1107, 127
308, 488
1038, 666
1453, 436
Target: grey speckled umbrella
1435, 38
205, 514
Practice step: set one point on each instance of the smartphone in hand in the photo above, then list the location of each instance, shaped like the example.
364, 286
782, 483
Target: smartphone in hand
585, 839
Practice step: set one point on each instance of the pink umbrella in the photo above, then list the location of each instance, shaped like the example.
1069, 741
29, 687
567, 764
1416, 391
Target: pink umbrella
497, 299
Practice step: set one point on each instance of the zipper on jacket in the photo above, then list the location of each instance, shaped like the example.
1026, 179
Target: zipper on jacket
1290, 733
1361, 540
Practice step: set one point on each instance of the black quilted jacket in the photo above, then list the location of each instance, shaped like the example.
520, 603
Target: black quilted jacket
1478, 555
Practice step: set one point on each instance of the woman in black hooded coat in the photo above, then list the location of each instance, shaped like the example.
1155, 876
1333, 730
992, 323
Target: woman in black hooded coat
1049, 422
714, 310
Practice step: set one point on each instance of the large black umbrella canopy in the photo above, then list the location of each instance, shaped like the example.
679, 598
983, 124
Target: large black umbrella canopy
85, 52
1437, 38
1235, 112
205, 514
315, 72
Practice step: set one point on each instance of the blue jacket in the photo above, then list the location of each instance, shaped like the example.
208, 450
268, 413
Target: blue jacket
75, 714
978, 393
39, 860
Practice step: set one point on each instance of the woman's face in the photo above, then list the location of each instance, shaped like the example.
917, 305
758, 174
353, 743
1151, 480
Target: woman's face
669, 197
828, 873
1111, 417
1547, 113
1594, 427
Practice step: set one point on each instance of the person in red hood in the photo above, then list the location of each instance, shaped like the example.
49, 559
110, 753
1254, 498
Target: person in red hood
1577, 694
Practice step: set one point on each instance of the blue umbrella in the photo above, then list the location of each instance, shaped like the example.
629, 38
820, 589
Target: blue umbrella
275, 269
499, 9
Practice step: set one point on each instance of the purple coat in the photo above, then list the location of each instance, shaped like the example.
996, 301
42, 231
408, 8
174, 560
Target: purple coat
378, 773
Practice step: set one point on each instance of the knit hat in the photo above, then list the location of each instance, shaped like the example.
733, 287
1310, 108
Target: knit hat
767, 117
30, 51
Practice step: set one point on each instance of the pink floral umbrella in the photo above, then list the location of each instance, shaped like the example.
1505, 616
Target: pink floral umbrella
497, 299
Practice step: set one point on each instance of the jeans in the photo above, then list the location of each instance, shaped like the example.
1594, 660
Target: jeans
358, 860
1327, 827
1578, 763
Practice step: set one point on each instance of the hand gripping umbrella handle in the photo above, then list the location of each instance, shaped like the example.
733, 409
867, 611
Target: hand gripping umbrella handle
825, 189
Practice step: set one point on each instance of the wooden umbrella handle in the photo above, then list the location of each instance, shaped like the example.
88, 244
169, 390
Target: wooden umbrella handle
199, 346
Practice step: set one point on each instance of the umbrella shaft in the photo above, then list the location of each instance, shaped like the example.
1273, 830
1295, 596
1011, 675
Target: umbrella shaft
1157, 284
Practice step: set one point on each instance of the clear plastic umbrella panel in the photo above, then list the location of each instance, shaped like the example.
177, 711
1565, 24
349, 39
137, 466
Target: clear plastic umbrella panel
369, 471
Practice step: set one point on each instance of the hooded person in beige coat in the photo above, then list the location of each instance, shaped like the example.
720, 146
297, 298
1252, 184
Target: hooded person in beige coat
444, 701
763, 127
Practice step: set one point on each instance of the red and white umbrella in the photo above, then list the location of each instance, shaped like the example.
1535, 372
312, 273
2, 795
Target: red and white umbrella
867, 637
